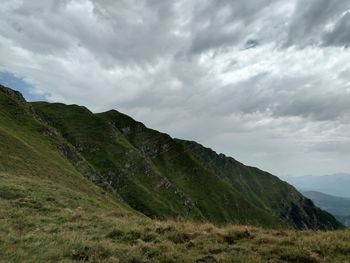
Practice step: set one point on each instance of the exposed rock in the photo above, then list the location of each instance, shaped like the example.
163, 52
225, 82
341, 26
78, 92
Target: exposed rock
163, 184
126, 130
49, 132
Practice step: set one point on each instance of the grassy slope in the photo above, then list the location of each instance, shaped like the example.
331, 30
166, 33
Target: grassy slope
164, 183
205, 175
119, 162
160, 178
263, 189
26, 152
35, 178
44, 222
216, 199
49, 212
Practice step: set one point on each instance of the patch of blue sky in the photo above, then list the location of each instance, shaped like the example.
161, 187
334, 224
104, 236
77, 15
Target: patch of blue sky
9, 80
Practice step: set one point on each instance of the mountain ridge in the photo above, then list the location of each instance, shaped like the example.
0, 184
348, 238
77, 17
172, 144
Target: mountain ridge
157, 175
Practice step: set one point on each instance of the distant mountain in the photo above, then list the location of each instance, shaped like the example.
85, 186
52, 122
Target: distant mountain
142, 168
338, 206
336, 184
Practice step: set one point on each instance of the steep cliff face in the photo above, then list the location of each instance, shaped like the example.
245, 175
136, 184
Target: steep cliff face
143, 168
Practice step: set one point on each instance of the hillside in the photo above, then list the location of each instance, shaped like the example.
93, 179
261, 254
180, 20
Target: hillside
162, 178
60, 201
263, 189
32, 151
138, 176
148, 170
338, 206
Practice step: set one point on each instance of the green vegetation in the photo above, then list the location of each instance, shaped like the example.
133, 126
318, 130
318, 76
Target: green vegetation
44, 222
263, 189
164, 178
77, 186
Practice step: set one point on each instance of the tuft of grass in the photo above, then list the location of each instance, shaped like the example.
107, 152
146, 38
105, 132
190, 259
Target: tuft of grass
10, 193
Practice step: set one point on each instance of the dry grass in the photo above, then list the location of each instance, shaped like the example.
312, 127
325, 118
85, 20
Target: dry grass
45, 222
71, 235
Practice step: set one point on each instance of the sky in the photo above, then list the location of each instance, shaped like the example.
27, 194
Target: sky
266, 82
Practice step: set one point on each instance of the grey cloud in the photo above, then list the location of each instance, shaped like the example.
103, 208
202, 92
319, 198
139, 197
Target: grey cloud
114, 31
311, 18
213, 71
314, 104
339, 147
37, 26
340, 35
142, 33
226, 23
330, 107
285, 98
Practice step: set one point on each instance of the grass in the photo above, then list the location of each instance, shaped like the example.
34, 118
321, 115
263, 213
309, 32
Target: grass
112, 154
205, 193
264, 190
143, 161
43, 222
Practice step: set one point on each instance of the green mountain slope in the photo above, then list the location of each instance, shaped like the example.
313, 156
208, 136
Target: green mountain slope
118, 161
39, 188
32, 150
160, 177
65, 197
263, 189
131, 165
149, 169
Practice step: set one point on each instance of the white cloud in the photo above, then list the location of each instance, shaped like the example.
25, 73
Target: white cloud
264, 81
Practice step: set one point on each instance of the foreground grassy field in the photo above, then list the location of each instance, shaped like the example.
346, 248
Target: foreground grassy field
42, 222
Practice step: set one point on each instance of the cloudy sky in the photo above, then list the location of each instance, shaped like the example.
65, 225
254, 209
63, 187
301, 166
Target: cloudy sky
265, 81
